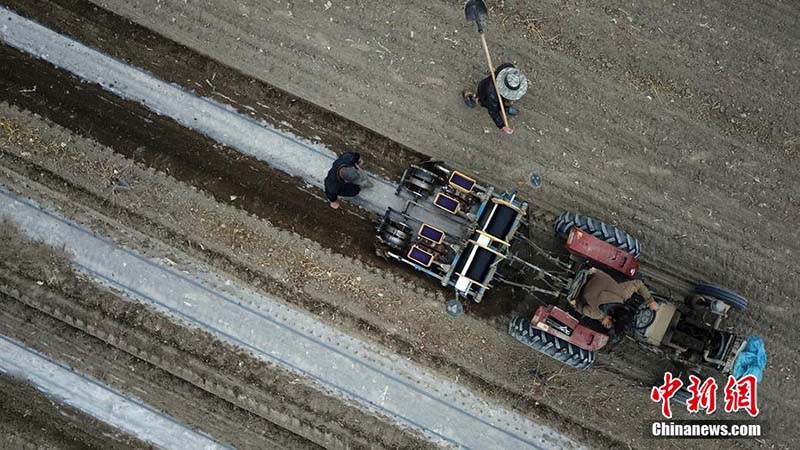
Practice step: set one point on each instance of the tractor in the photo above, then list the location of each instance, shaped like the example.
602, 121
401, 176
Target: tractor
466, 234
690, 332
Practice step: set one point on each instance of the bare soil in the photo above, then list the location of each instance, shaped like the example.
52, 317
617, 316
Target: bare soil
31, 420
127, 41
329, 285
677, 122
184, 372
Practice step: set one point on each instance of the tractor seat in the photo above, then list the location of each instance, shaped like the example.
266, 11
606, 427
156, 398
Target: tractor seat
576, 287
432, 234
420, 255
461, 182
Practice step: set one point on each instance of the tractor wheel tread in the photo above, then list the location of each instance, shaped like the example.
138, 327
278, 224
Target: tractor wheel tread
550, 345
608, 233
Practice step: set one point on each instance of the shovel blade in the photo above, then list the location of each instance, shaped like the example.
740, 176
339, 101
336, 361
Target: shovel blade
475, 10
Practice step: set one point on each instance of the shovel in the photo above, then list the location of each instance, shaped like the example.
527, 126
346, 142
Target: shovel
475, 11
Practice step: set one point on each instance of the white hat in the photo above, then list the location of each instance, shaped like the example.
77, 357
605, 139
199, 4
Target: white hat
353, 175
511, 83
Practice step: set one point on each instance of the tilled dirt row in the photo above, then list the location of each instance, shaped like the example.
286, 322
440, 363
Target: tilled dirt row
29, 420
703, 172
124, 40
765, 274
378, 304
670, 164
752, 259
181, 371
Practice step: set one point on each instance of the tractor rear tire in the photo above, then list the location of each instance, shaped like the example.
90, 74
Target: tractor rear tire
731, 298
550, 345
609, 233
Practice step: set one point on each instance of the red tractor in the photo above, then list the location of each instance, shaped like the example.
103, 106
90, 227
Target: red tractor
689, 332
465, 233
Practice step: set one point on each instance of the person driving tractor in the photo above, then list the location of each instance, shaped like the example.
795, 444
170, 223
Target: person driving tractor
603, 299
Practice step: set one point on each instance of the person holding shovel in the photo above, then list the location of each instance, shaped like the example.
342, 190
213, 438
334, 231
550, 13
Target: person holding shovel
503, 85
511, 84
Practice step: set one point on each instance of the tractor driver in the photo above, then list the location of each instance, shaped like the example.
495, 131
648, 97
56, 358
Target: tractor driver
603, 299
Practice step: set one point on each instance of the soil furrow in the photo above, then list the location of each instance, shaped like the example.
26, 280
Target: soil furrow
30, 420
729, 243
435, 337
246, 391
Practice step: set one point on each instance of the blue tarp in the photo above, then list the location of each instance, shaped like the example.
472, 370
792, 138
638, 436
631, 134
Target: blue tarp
751, 360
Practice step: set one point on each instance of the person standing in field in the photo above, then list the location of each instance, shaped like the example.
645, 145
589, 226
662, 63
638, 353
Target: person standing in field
345, 178
512, 85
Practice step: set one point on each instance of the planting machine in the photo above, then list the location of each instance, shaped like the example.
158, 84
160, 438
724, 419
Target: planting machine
469, 236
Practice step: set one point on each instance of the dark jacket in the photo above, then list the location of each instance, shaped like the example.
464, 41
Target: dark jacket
335, 186
487, 96
602, 293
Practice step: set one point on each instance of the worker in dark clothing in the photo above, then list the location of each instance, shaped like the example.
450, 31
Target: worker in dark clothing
345, 179
512, 85
603, 299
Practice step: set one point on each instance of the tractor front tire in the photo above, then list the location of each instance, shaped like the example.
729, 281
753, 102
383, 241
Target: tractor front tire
550, 345
731, 298
609, 233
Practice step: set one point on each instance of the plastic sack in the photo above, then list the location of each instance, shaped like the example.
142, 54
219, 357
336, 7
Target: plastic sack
752, 360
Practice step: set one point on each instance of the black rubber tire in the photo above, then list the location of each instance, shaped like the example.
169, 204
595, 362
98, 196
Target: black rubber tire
395, 236
550, 345
419, 187
424, 175
731, 298
393, 241
609, 233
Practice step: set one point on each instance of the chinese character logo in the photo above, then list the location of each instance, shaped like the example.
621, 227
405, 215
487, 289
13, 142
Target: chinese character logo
741, 394
665, 392
702, 395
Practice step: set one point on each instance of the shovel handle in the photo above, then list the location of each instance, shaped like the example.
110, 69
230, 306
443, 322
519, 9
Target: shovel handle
494, 81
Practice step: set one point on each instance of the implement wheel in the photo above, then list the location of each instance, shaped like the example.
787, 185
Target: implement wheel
421, 181
552, 346
609, 233
395, 235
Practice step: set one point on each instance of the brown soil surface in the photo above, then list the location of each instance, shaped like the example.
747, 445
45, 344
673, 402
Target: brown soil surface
189, 375
677, 122
31, 420
329, 285
125, 40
